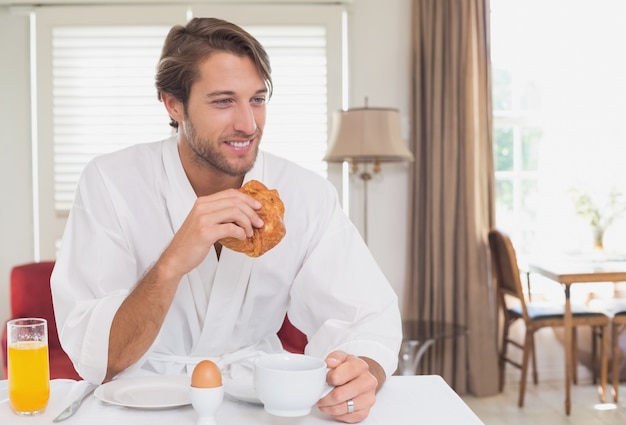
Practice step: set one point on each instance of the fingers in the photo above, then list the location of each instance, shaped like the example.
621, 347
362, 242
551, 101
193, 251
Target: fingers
348, 408
355, 388
229, 213
336, 358
230, 206
226, 214
344, 368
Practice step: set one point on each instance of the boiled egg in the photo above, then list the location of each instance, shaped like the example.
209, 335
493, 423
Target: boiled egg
206, 374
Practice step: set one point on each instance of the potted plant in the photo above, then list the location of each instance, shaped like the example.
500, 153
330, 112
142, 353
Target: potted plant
599, 215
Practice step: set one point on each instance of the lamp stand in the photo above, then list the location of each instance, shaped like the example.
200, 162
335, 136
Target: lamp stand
366, 176
367, 136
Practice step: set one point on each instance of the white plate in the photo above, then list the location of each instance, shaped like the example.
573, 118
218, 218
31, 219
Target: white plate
241, 389
147, 392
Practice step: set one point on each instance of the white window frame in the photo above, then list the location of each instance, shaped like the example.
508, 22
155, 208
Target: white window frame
517, 121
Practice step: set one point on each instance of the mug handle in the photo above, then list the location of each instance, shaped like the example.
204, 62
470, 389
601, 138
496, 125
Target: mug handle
327, 387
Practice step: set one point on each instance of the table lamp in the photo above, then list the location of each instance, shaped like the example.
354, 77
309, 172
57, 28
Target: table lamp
367, 135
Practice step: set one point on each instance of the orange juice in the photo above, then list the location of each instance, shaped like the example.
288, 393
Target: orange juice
29, 376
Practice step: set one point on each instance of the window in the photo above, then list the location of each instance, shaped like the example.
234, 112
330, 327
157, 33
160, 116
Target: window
103, 97
516, 142
96, 68
559, 100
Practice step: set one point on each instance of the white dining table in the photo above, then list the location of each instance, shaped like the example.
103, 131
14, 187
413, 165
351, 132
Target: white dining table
420, 399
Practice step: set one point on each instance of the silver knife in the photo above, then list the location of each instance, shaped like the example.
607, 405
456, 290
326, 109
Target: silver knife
72, 408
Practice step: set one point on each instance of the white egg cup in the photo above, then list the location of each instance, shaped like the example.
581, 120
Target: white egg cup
205, 402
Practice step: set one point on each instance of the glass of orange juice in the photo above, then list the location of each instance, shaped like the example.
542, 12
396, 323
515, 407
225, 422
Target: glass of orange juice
28, 372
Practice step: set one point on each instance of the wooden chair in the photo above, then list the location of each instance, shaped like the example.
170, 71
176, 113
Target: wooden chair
616, 309
534, 315
617, 323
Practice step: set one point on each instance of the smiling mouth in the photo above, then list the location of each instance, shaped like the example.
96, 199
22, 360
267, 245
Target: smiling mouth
239, 144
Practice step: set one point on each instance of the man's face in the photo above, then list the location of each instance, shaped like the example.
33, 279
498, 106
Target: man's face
225, 115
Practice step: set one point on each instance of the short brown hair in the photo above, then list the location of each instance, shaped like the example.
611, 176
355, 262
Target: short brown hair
186, 46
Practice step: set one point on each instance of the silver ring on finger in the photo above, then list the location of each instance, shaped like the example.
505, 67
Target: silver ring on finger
350, 406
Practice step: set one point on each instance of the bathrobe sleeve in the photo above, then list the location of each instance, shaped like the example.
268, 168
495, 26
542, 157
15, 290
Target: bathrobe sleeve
94, 273
341, 299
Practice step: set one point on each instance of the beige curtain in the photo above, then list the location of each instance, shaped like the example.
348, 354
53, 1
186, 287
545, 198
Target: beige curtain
452, 190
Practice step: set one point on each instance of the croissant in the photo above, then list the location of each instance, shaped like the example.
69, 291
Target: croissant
272, 213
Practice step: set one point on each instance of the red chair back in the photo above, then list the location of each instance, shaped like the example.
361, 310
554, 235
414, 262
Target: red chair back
31, 295
292, 338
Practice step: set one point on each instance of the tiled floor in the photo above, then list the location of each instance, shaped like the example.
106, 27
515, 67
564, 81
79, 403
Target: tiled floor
545, 404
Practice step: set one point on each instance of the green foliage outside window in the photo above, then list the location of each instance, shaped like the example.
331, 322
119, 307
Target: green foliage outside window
502, 90
531, 139
503, 149
504, 195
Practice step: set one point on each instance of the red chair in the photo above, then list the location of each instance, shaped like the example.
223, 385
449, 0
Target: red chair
293, 340
31, 297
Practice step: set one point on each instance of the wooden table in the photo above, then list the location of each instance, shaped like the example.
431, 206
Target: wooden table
570, 271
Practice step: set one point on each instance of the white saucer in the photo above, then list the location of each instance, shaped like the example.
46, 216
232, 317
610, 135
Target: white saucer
147, 392
242, 389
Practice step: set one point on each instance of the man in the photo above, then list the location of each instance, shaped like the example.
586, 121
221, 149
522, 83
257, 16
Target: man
142, 284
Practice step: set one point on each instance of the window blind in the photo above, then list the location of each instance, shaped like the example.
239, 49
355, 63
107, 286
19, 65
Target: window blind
104, 97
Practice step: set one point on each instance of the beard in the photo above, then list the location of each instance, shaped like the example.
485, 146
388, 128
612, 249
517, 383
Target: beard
208, 154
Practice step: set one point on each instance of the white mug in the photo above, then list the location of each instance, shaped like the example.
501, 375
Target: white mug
290, 384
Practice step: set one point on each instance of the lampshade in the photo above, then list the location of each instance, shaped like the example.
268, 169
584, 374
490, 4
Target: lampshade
367, 134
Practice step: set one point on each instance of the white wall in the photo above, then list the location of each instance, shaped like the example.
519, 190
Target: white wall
379, 61
379, 70
16, 230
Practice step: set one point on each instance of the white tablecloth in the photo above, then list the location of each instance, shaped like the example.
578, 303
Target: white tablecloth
404, 400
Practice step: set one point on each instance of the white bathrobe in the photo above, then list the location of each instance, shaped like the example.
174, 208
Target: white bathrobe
128, 206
